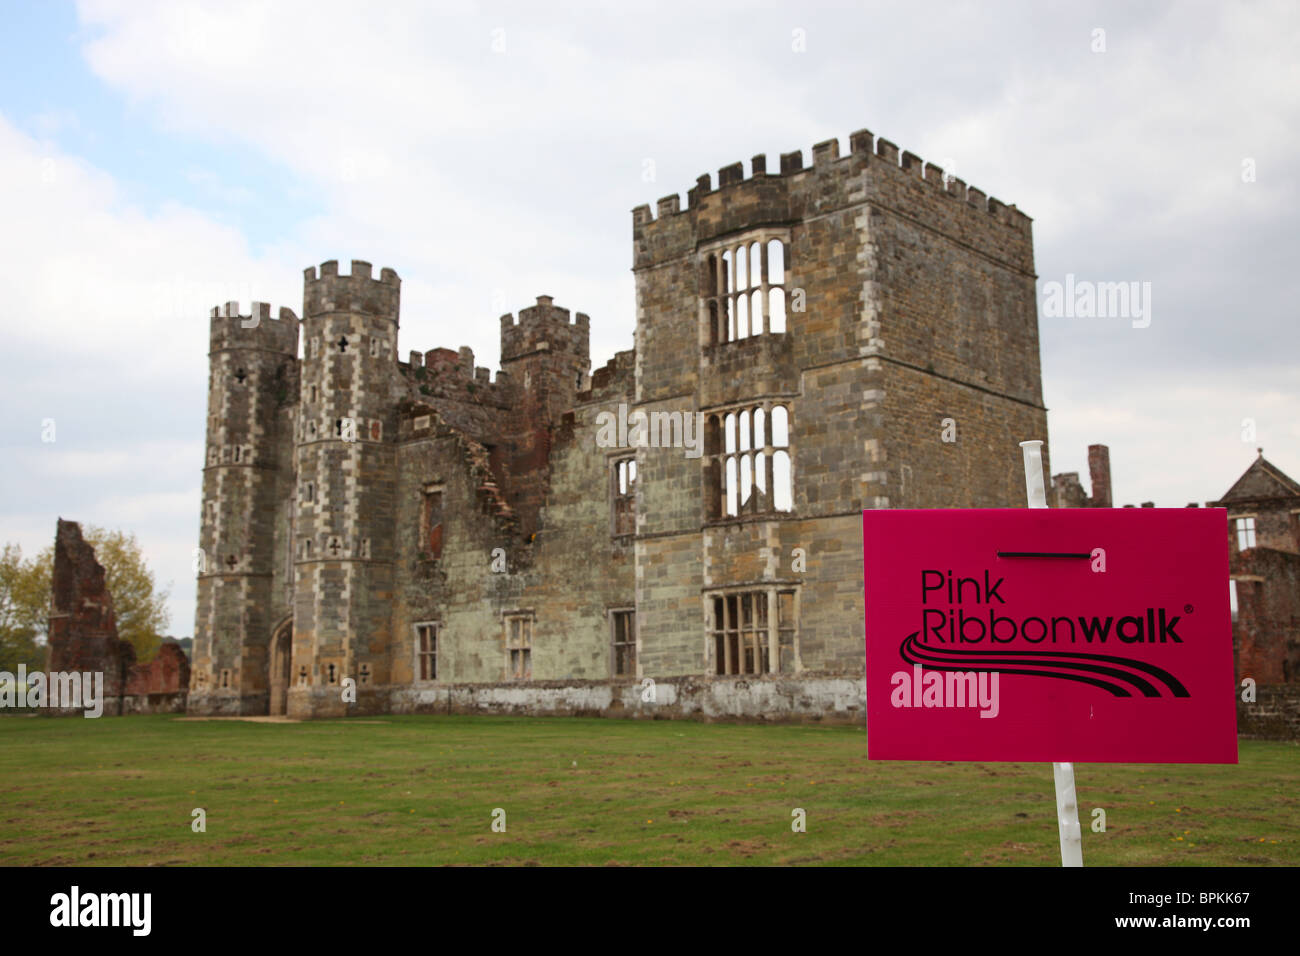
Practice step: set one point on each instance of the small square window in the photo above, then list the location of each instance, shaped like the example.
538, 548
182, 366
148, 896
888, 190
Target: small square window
623, 479
623, 642
426, 651
519, 646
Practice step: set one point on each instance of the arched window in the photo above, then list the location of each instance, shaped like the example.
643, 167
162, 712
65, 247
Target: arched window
744, 288
775, 262
782, 492
750, 465
776, 309
624, 495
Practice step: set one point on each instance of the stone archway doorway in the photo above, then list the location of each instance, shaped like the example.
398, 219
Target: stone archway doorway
281, 666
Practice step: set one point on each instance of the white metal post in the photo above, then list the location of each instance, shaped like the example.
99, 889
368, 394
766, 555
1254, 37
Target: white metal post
1067, 803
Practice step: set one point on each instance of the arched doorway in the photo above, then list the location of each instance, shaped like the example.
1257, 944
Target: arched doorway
280, 666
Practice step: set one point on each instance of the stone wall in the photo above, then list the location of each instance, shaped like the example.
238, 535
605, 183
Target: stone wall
908, 301
252, 375
811, 697
83, 637
1266, 634
1274, 715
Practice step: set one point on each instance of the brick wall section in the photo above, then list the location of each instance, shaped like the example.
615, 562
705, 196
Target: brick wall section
1266, 634
1099, 475
83, 636
83, 629
549, 355
1068, 491
167, 673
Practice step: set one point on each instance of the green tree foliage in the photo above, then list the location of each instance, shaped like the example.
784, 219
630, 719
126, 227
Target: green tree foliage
24, 610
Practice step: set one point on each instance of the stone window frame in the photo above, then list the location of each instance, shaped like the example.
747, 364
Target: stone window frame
745, 453
428, 547
422, 656
622, 497
777, 615
614, 614
1244, 532
720, 298
518, 640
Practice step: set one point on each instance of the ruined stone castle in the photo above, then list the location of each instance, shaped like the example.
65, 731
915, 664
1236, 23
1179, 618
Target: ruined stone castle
388, 535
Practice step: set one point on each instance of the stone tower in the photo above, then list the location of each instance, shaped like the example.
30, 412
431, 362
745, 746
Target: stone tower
252, 367
546, 355
860, 333
343, 527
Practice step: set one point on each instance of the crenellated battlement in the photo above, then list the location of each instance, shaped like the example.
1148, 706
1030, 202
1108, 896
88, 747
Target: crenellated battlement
544, 327
448, 373
255, 329
328, 291
766, 197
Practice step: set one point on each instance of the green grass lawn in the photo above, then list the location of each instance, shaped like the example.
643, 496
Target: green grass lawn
421, 790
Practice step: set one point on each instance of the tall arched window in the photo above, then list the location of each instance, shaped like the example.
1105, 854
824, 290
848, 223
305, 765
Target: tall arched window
750, 465
743, 285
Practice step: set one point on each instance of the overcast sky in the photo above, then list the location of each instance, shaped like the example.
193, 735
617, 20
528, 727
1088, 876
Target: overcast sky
157, 159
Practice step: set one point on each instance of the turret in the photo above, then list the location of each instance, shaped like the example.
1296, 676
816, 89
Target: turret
343, 548
546, 357
547, 354
252, 361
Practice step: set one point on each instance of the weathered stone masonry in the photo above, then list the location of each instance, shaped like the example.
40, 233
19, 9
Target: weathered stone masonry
860, 333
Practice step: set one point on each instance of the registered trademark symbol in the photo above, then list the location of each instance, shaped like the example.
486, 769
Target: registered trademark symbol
1187, 609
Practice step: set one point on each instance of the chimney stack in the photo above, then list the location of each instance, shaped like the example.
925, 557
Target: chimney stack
1099, 473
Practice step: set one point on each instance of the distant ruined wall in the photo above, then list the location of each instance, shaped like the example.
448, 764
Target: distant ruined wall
83, 637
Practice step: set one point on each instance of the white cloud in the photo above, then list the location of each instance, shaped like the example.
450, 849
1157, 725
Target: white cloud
93, 274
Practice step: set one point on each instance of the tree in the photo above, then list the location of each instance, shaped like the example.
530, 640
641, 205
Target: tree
138, 604
24, 610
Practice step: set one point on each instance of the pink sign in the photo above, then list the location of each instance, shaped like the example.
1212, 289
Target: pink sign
1045, 635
